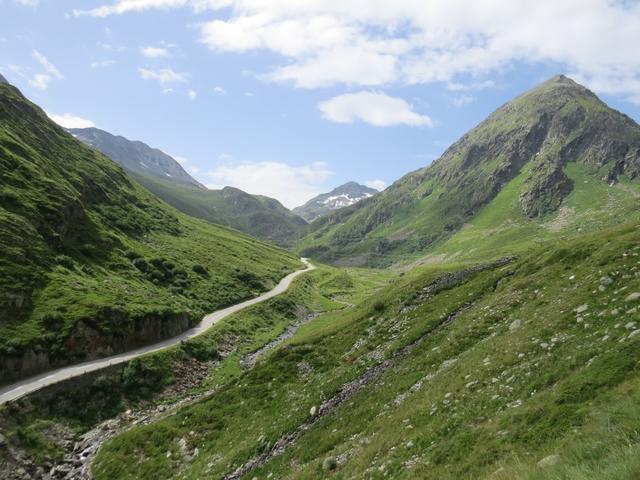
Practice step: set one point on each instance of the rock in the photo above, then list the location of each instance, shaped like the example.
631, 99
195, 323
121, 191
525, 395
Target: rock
515, 325
632, 297
605, 281
634, 333
313, 411
3, 440
582, 308
549, 461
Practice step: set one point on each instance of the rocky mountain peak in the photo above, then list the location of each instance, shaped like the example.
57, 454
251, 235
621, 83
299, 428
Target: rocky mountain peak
345, 195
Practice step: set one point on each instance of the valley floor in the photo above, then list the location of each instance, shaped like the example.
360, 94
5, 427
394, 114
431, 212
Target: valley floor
522, 368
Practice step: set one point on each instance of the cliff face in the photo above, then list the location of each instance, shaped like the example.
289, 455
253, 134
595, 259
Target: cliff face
88, 342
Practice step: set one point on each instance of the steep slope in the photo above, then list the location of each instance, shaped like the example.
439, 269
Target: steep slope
135, 156
523, 368
343, 196
259, 216
532, 146
91, 263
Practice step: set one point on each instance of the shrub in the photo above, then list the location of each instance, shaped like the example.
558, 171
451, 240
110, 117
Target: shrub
329, 463
200, 270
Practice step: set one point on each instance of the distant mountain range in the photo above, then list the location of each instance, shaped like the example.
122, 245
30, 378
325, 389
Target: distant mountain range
262, 217
136, 156
343, 196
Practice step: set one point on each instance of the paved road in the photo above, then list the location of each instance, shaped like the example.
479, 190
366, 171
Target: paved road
23, 387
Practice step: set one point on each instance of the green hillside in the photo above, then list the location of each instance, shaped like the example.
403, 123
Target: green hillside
523, 368
259, 216
526, 164
92, 263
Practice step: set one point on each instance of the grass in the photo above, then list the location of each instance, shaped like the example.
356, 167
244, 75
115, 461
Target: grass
518, 376
259, 216
92, 263
498, 186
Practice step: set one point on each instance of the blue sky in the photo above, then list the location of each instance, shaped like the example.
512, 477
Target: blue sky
290, 98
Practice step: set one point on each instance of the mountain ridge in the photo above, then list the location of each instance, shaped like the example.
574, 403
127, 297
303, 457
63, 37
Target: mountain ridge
342, 196
135, 155
538, 134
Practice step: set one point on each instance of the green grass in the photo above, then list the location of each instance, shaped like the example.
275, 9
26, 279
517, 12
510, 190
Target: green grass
522, 166
471, 398
91, 262
259, 216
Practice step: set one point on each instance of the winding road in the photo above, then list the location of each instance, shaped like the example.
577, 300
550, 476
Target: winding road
29, 385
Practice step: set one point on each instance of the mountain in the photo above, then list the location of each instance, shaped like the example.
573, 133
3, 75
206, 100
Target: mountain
2, 79
553, 160
343, 196
91, 263
522, 368
135, 156
262, 217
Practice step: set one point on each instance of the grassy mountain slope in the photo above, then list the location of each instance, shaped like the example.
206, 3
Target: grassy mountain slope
91, 262
531, 145
520, 369
136, 156
260, 216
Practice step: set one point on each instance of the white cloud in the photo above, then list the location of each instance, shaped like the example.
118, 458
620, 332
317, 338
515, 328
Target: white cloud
462, 100
249, 94
219, 90
292, 185
48, 66
40, 81
194, 170
167, 91
154, 52
125, 6
164, 76
192, 95
102, 63
377, 184
374, 108
377, 42
28, 3
69, 120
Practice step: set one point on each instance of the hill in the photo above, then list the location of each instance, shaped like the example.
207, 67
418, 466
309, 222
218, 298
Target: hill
135, 156
551, 161
343, 196
262, 217
91, 263
519, 368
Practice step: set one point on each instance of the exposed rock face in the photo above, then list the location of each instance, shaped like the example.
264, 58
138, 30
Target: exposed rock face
538, 134
135, 156
87, 342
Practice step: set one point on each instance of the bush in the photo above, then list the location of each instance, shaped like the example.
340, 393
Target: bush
141, 264
379, 306
200, 270
329, 463
66, 262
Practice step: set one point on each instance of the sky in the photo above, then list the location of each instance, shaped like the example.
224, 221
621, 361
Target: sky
290, 98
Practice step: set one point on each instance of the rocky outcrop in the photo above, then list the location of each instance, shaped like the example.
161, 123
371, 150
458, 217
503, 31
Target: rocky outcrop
88, 342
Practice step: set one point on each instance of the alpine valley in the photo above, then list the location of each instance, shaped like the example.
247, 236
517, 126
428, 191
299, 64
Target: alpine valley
478, 319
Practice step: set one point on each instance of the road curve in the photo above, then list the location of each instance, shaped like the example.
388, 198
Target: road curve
26, 386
